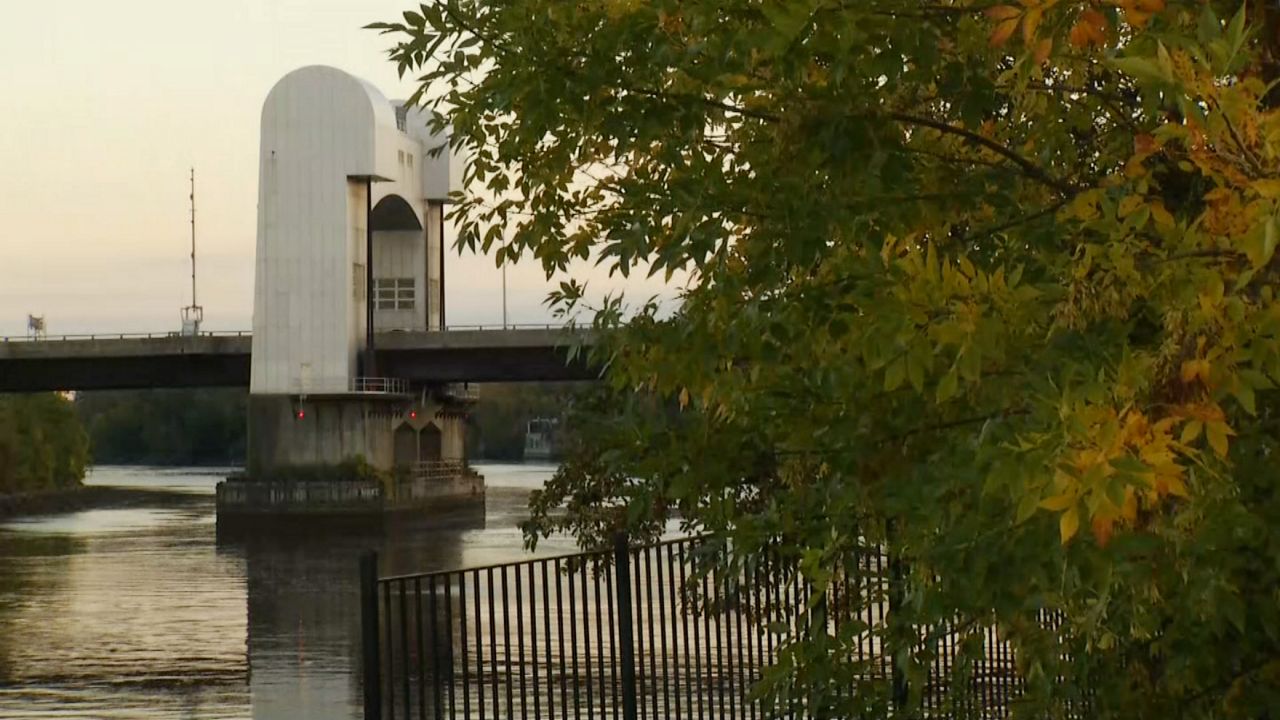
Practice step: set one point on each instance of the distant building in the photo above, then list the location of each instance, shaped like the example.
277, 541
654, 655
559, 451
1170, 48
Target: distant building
542, 439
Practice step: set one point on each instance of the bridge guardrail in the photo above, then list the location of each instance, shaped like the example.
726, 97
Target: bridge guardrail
67, 337
122, 336
381, 385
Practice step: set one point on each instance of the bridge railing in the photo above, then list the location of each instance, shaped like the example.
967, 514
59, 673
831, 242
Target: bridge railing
465, 392
380, 385
508, 326
122, 336
247, 333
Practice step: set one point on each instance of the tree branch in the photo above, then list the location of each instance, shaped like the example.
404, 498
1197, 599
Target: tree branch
1028, 168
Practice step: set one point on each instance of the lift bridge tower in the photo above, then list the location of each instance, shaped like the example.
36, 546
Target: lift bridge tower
351, 203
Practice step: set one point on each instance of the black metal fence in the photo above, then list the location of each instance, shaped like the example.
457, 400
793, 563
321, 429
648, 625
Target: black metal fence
639, 632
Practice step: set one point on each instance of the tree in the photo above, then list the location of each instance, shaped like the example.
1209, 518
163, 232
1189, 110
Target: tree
166, 427
42, 444
991, 285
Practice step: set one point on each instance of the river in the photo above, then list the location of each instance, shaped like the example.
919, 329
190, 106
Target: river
145, 612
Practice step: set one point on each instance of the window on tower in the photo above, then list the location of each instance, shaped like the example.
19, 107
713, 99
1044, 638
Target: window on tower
394, 293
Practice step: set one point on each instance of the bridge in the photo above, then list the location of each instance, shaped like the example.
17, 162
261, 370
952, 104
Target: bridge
351, 362
458, 354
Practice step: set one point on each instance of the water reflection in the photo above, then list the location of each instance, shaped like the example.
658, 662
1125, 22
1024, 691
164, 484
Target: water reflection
146, 611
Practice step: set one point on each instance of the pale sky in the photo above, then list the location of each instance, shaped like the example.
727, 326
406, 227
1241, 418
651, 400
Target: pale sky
104, 106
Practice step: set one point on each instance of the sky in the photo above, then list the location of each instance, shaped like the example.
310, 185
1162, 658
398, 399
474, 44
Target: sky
105, 107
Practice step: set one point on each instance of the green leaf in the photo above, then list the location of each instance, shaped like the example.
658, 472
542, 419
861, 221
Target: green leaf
1141, 69
948, 385
1208, 27
895, 373
1027, 507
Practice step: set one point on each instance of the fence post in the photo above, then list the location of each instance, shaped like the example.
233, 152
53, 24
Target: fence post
626, 631
897, 578
372, 654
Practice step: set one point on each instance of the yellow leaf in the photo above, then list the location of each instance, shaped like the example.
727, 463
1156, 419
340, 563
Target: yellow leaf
1162, 216
1190, 432
1002, 33
1217, 433
684, 398
1129, 204
1058, 503
1068, 525
1130, 509
1173, 485
1193, 369
1267, 188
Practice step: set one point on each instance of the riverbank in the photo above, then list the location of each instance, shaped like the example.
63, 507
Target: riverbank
83, 497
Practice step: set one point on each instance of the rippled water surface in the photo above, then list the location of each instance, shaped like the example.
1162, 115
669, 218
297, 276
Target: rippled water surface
144, 611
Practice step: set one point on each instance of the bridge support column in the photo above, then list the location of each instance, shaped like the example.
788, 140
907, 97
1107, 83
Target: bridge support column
347, 454
298, 431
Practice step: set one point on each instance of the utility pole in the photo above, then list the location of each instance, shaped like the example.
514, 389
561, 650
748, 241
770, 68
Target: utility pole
193, 314
504, 293
193, 237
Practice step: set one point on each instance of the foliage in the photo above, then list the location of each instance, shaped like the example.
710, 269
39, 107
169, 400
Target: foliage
496, 428
998, 277
165, 427
42, 444
355, 469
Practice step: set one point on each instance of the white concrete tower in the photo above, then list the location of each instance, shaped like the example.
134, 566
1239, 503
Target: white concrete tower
328, 141
336, 159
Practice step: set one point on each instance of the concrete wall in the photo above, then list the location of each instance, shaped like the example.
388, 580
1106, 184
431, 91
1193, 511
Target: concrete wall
453, 436
357, 319
450, 421
312, 498
332, 430
317, 131
401, 254
434, 268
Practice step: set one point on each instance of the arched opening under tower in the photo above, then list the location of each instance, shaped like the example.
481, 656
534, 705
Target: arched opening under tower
400, 260
406, 445
394, 213
429, 443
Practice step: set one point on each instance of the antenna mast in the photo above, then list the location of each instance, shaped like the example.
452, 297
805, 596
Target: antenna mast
193, 238
193, 314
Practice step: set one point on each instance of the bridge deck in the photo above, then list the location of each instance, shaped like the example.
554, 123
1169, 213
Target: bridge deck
222, 359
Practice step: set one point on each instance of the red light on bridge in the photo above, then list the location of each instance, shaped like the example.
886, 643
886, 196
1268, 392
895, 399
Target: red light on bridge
301, 414
413, 414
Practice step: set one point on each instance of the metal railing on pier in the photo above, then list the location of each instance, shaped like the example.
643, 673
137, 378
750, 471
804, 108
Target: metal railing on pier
379, 385
641, 632
438, 469
466, 392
